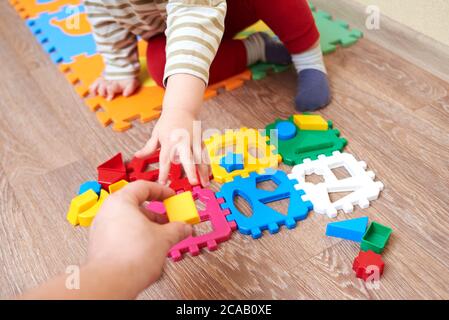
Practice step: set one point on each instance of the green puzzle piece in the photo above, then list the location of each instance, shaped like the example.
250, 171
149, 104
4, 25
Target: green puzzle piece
259, 70
334, 32
307, 143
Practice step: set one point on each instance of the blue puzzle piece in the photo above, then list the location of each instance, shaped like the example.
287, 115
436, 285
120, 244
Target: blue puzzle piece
61, 47
88, 185
286, 130
232, 162
264, 217
352, 229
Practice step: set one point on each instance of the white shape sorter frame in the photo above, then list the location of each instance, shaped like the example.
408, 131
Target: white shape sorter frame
361, 183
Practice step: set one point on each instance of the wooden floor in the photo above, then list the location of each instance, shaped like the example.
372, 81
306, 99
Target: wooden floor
394, 114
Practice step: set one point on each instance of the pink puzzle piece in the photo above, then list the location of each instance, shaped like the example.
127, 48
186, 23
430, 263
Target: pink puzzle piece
221, 228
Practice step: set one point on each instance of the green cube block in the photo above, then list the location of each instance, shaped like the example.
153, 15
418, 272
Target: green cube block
376, 237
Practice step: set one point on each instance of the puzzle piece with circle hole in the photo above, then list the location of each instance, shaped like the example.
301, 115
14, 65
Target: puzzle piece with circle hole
360, 184
264, 217
306, 144
242, 141
84, 207
61, 41
28, 9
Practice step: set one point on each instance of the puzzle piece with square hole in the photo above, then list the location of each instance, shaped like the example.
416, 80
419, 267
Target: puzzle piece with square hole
301, 144
263, 216
360, 184
242, 142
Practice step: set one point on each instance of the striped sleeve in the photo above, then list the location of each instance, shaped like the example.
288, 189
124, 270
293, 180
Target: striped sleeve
116, 44
194, 32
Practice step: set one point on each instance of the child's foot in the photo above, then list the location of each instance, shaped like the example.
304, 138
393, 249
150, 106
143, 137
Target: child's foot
313, 87
313, 90
261, 47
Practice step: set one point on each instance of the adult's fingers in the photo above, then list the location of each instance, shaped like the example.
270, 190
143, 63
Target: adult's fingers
173, 233
139, 191
149, 148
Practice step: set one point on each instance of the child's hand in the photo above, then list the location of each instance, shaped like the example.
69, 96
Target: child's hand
172, 134
129, 238
110, 88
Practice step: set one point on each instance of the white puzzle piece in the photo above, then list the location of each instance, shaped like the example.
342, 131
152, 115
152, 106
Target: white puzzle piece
361, 183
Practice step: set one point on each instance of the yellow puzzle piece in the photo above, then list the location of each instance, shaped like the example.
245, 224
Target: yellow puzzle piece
117, 186
84, 207
257, 154
310, 122
181, 207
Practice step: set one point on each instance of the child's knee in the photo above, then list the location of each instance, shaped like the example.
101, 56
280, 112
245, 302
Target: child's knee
156, 58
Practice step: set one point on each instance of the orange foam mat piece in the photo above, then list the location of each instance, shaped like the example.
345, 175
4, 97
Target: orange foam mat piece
228, 84
28, 9
82, 72
145, 105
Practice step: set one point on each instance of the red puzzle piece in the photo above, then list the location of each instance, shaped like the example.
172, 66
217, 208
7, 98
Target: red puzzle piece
137, 170
112, 171
367, 263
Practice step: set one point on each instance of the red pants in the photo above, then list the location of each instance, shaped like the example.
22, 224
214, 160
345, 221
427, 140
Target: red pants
290, 20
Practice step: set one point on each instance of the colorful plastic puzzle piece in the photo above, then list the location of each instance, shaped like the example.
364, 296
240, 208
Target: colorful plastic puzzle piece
334, 32
145, 105
28, 9
285, 130
264, 217
90, 185
242, 141
221, 228
368, 264
360, 184
351, 229
112, 171
306, 144
84, 207
117, 186
181, 207
58, 39
310, 122
376, 237
232, 162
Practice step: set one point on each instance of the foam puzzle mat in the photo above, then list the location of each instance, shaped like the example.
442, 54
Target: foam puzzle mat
53, 22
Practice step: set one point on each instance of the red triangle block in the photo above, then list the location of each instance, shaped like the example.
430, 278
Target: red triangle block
114, 164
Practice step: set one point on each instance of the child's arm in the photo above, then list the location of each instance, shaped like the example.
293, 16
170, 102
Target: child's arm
194, 32
128, 246
118, 48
